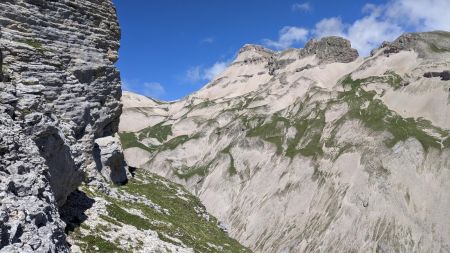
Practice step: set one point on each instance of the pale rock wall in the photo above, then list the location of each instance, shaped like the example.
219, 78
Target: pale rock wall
59, 91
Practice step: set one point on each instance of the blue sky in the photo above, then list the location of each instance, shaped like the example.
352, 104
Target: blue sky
171, 48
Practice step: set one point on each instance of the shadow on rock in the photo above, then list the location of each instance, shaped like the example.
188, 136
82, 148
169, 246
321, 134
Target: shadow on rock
73, 211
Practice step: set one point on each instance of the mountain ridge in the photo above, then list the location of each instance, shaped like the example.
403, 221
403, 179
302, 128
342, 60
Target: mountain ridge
300, 154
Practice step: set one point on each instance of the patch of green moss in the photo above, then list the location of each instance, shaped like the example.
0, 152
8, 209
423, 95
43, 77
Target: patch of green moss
175, 142
129, 140
110, 220
309, 130
119, 214
158, 131
94, 242
375, 115
34, 44
434, 48
185, 220
187, 173
272, 131
231, 169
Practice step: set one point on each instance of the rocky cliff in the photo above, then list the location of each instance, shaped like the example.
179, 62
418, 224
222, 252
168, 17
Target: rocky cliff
59, 93
313, 149
64, 185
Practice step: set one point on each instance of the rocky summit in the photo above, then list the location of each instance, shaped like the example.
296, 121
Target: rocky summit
313, 149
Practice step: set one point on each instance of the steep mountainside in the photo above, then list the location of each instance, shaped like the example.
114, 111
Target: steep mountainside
314, 149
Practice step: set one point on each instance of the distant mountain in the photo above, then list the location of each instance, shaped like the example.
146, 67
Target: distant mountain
313, 149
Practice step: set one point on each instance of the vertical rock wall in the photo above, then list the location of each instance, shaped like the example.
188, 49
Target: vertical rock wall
59, 91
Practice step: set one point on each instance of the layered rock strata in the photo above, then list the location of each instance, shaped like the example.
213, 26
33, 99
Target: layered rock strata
59, 91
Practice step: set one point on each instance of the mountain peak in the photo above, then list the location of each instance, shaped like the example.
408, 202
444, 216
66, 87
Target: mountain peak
252, 52
426, 44
331, 49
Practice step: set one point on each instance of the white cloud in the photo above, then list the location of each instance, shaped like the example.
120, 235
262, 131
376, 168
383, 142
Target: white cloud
289, 36
366, 33
199, 73
370, 31
301, 7
423, 15
149, 89
214, 70
383, 22
207, 40
155, 90
329, 26
194, 74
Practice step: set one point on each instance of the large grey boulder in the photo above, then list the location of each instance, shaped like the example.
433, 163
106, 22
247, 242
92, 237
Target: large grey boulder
109, 159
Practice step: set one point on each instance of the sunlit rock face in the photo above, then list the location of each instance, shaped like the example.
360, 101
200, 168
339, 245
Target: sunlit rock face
314, 149
59, 91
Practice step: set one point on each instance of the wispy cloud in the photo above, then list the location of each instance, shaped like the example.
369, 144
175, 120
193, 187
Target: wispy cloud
149, 89
288, 36
383, 22
194, 74
207, 40
217, 68
200, 73
304, 7
366, 33
153, 89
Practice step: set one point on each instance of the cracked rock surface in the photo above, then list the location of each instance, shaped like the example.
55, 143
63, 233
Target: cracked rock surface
59, 91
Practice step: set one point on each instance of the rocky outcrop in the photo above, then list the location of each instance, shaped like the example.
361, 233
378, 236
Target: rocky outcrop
108, 155
331, 49
444, 75
427, 45
59, 92
326, 50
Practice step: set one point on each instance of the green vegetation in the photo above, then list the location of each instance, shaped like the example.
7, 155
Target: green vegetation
175, 142
158, 131
272, 131
129, 140
119, 214
96, 243
232, 169
309, 130
187, 172
179, 215
375, 115
306, 140
37, 45
434, 48
389, 77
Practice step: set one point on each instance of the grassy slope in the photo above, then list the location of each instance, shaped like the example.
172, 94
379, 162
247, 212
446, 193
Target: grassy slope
179, 219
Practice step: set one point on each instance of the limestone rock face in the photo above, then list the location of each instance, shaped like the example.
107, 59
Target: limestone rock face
313, 149
110, 161
59, 91
331, 49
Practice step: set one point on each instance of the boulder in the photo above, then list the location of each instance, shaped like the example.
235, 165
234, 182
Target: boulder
108, 155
